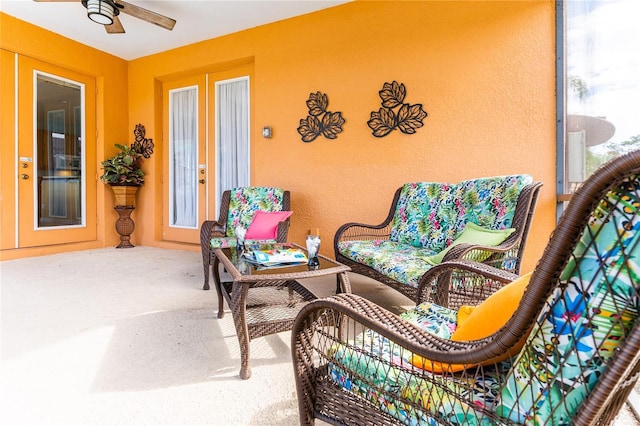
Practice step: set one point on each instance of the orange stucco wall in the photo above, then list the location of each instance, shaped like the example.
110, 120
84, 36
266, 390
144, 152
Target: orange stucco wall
484, 72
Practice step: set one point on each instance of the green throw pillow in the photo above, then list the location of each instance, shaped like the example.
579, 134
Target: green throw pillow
474, 234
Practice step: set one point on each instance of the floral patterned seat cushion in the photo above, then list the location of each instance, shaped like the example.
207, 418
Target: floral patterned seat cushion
224, 242
395, 390
571, 332
401, 262
243, 204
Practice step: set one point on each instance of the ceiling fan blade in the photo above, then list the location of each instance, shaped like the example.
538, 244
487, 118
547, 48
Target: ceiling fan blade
116, 27
146, 15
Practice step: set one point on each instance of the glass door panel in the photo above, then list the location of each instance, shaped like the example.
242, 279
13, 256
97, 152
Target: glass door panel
58, 152
185, 151
232, 134
229, 127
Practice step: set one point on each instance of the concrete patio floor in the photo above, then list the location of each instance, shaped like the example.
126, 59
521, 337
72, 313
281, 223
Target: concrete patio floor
128, 337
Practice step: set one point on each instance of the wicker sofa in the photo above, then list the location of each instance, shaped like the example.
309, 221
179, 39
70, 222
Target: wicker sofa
568, 351
428, 221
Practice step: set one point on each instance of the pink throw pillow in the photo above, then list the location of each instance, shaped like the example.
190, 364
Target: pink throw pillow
264, 225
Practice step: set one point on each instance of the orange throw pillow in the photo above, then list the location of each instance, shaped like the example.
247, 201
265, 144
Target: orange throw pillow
478, 322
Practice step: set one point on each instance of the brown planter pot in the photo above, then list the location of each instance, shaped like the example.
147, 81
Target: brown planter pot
125, 195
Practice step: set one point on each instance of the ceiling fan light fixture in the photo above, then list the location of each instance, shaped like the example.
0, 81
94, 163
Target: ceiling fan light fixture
101, 11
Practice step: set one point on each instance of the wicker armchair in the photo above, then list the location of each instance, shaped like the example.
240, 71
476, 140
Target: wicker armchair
517, 194
569, 354
237, 207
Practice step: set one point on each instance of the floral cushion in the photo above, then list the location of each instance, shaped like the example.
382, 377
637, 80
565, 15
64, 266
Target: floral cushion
423, 214
401, 262
246, 201
432, 318
488, 202
431, 214
599, 296
387, 366
224, 242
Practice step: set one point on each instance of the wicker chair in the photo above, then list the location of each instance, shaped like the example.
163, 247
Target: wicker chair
507, 255
222, 231
569, 354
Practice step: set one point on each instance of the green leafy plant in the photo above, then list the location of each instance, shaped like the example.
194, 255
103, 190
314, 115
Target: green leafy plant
123, 168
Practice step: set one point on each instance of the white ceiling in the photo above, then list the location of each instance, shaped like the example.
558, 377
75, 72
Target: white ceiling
197, 20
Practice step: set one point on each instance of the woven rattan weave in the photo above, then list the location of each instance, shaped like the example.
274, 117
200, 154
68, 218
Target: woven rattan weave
577, 322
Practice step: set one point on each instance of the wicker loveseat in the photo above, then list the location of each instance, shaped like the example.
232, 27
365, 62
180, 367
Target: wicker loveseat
569, 353
426, 218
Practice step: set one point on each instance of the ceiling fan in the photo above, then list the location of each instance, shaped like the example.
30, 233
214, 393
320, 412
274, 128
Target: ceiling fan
106, 12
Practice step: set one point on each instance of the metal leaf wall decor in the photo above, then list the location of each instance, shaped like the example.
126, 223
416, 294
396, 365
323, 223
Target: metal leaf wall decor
320, 121
141, 144
407, 118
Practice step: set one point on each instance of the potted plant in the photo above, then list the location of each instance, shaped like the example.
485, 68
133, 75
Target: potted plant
123, 171
123, 168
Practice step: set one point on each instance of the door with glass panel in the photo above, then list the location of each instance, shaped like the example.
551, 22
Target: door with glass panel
208, 125
56, 155
184, 176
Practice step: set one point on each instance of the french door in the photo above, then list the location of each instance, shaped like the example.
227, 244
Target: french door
207, 119
56, 155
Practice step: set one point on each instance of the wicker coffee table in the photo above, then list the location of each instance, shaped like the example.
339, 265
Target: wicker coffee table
266, 301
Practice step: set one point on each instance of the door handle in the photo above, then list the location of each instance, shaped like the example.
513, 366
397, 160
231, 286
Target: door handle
201, 181
24, 176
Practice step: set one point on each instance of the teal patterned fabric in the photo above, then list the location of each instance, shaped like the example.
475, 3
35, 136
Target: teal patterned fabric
430, 216
488, 202
432, 318
423, 214
244, 202
224, 242
402, 262
387, 366
600, 295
